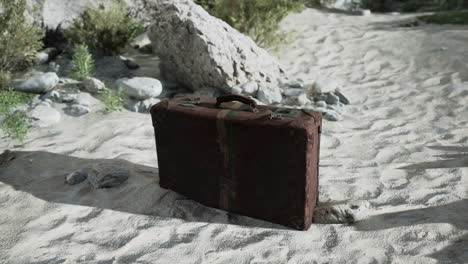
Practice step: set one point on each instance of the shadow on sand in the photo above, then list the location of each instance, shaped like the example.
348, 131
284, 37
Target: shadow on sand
455, 213
457, 159
42, 174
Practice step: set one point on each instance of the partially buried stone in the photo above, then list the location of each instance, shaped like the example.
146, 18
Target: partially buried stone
108, 174
78, 110
332, 99
342, 98
76, 177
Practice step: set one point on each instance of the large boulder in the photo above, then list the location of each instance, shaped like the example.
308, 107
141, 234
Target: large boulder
201, 51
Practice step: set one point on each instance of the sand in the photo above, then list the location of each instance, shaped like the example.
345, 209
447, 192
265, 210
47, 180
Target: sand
400, 155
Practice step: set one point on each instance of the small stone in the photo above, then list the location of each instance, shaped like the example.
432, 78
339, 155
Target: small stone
140, 41
365, 12
67, 98
236, 89
269, 94
303, 99
38, 83
140, 87
76, 177
341, 97
130, 63
93, 85
325, 85
54, 67
250, 88
332, 99
294, 92
52, 95
85, 99
108, 173
78, 110
42, 57
208, 92
44, 116
331, 115
146, 105
321, 104
293, 84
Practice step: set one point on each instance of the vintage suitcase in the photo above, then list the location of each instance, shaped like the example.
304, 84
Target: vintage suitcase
229, 153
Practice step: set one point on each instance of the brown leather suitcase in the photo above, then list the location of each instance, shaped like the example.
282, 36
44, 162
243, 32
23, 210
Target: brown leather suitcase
229, 153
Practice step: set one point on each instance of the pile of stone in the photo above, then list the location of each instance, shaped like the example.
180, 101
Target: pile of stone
217, 60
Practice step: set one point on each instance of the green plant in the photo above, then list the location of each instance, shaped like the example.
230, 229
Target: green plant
107, 29
449, 17
112, 99
258, 19
15, 125
19, 40
9, 98
82, 62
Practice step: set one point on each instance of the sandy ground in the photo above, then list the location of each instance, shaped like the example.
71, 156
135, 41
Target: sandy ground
400, 154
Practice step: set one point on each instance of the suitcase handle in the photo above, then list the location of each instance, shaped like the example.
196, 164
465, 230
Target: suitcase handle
234, 97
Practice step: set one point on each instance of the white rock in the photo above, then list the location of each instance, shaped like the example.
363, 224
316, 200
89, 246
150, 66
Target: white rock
78, 110
85, 99
44, 116
146, 105
51, 95
38, 83
365, 12
140, 87
294, 92
303, 99
42, 57
93, 85
325, 85
269, 94
199, 50
208, 92
140, 41
250, 88
236, 89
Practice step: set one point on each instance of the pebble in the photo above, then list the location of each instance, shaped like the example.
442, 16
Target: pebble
250, 88
294, 92
93, 85
321, 104
140, 87
269, 94
331, 115
303, 99
108, 174
76, 177
342, 98
332, 99
325, 85
78, 110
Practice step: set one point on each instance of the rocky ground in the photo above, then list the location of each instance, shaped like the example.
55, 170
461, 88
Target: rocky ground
397, 158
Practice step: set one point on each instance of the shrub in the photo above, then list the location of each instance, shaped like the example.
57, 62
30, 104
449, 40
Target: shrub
449, 17
258, 19
19, 40
10, 98
109, 29
15, 125
82, 62
112, 99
